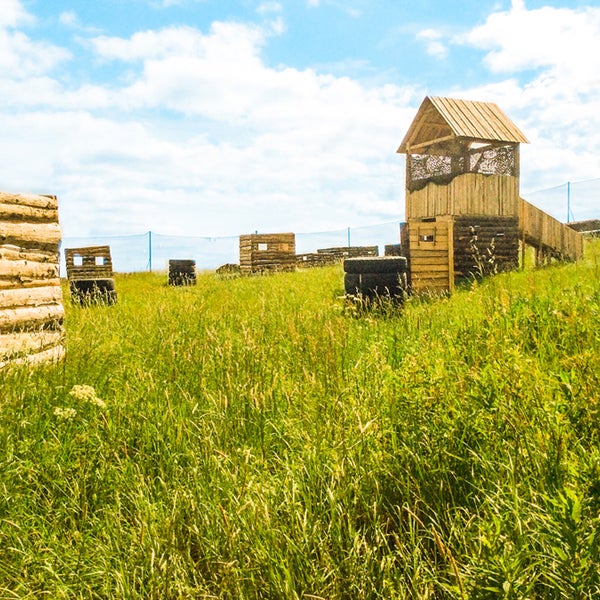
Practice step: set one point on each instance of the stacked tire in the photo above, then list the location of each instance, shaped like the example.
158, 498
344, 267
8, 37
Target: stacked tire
93, 291
376, 277
182, 272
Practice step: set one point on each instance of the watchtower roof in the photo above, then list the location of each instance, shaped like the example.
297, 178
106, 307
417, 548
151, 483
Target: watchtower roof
441, 120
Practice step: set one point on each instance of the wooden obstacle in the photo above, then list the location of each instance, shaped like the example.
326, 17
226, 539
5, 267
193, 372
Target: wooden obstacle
90, 275
267, 252
330, 256
465, 216
31, 307
182, 272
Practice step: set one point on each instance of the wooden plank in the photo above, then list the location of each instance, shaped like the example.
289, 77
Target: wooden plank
53, 354
419, 267
27, 342
32, 200
44, 236
25, 270
11, 212
15, 319
26, 283
38, 296
11, 252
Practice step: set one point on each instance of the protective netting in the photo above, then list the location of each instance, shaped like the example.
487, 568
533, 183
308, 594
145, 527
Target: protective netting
442, 168
152, 251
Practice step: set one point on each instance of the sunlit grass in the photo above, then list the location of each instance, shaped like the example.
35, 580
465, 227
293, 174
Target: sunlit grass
260, 438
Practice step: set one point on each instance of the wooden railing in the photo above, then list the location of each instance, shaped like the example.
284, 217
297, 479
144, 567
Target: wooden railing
547, 234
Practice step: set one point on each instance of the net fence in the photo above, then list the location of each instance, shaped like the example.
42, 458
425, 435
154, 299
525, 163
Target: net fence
152, 251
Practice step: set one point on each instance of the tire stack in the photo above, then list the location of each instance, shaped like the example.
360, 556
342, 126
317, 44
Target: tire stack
93, 291
376, 277
182, 272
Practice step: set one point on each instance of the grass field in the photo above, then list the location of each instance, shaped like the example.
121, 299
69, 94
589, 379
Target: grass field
260, 438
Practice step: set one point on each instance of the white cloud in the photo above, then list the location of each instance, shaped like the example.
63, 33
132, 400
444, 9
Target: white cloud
13, 14
566, 42
433, 43
250, 147
266, 8
551, 57
22, 57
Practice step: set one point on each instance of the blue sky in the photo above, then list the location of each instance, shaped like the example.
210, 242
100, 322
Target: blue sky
221, 117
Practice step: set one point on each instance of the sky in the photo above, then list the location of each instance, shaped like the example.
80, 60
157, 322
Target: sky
224, 117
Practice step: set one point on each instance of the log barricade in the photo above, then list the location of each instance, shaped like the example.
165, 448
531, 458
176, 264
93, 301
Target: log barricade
182, 272
330, 256
267, 252
90, 274
31, 305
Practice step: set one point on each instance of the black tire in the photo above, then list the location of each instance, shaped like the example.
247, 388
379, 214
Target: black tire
380, 264
383, 284
182, 272
180, 265
181, 279
371, 285
93, 291
352, 284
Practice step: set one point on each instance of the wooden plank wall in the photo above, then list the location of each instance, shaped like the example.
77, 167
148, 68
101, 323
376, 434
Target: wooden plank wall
430, 250
485, 245
467, 194
260, 252
548, 235
31, 307
95, 263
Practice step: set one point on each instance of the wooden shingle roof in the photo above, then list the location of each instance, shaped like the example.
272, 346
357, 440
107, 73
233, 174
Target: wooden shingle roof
443, 119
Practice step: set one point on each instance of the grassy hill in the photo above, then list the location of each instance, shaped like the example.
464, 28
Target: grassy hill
261, 438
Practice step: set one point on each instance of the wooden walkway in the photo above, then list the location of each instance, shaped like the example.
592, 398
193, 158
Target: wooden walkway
547, 235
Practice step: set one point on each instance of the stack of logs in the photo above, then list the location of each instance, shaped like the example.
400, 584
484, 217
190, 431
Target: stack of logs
330, 256
31, 308
260, 252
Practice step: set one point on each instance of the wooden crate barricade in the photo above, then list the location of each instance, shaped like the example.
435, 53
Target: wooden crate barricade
264, 252
31, 307
90, 275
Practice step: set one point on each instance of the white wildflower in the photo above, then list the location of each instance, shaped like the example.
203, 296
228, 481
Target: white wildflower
87, 394
65, 413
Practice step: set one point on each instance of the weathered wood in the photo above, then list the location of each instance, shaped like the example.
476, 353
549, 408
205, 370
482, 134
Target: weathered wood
31, 318
95, 262
11, 252
19, 212
549, 235
28, 341
38, 296
47, 202
24, 270
267, 252
467, 194
53, 354
26, 283
45, 236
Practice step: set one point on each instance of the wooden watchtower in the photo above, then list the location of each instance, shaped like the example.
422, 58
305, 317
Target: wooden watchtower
465, 216
462, 192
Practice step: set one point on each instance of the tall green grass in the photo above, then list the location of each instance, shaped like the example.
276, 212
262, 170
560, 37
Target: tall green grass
261, 438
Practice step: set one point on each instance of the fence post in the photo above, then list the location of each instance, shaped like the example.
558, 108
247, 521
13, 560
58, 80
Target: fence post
348, 237
150, 251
